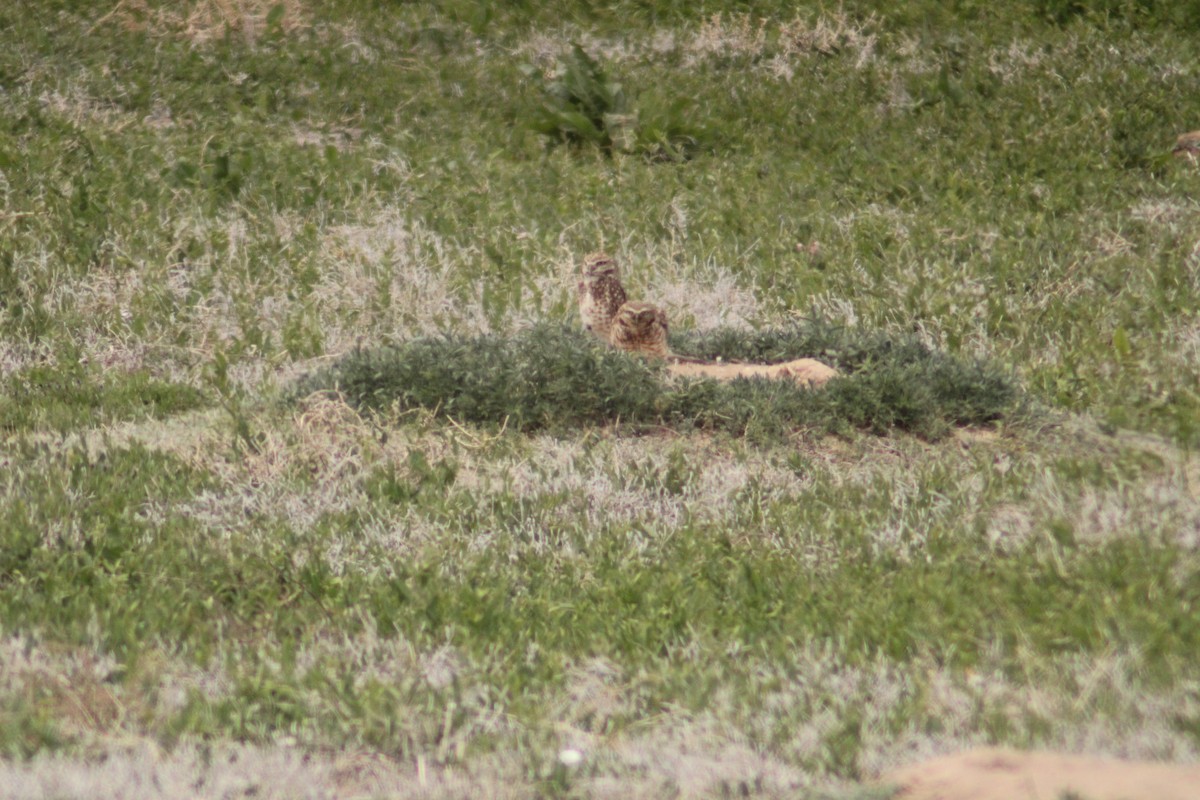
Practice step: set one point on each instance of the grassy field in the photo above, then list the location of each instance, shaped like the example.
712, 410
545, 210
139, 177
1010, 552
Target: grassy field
310, 486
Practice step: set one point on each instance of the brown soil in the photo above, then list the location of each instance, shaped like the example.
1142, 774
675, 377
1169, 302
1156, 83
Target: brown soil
806, 372
995, 774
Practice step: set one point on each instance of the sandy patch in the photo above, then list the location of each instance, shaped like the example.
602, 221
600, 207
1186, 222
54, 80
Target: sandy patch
806, 372
998, 774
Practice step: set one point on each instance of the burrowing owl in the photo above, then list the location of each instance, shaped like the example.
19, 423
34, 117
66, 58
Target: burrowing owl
641, 328
600, 293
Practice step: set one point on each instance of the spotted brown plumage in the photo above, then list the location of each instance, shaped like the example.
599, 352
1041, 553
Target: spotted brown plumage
600, 293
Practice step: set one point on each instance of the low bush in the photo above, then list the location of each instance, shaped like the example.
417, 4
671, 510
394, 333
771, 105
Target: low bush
555, 378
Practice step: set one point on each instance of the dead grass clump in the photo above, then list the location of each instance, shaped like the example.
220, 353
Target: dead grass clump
1160, 504
737, 35
390, 277
70, 686
324, 446
204, 21
830, 35
699, 756
332, 438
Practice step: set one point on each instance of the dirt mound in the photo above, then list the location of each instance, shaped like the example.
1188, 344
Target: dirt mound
995, 774
805, 372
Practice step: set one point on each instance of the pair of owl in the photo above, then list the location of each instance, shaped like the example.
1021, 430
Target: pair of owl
629, 325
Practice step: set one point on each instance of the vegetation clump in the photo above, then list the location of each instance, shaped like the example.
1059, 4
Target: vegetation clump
551, 377
581, 105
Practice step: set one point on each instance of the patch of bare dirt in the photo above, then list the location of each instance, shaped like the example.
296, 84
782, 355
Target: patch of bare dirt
999, 774
806, 372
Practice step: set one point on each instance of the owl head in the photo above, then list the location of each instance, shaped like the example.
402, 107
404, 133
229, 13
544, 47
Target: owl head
640, 328
643, 318
599, 265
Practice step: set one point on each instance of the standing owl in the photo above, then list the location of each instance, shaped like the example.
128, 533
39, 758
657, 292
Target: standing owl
600, 293
640, 328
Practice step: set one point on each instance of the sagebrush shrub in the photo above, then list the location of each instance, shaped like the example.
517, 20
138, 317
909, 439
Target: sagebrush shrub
552, 377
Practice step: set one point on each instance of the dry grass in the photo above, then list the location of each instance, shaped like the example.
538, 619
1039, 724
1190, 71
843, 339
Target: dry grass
313, 462
692, 754
203, 21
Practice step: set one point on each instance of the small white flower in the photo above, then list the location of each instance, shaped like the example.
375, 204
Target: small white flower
570, 757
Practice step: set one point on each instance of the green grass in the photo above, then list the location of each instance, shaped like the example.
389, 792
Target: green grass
697, 589
63, 399
303, 458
